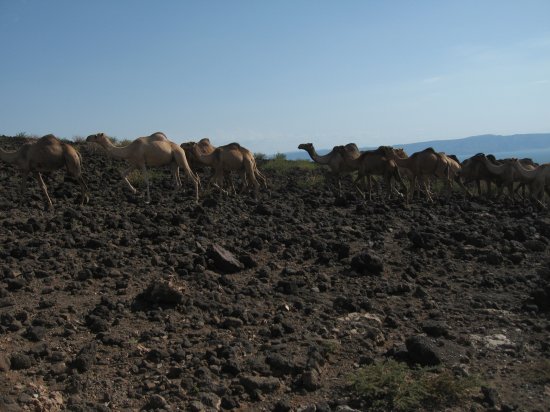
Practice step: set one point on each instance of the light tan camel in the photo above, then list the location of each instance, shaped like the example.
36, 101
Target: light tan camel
204, 146
153, 151
425, 164
228, 158
334, 160
372, 162
46, 155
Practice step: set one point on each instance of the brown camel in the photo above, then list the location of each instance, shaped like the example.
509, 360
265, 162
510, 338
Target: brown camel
506, 172
334, 160
538, 178
425, 164
228, 158
372, 162
153, 151
47, 155
474, 170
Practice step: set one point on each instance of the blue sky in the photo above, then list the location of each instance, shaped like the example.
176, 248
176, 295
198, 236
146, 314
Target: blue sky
271, 75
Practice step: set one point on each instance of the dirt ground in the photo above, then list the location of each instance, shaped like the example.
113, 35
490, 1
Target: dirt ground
262, 305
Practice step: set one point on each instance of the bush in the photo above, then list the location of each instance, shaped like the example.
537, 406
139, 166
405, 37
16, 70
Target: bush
391, 385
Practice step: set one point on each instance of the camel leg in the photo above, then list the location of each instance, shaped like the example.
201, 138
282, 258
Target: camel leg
125, 174
359, 180
38, 177
22, 185
413, 187
369, 181
397, 177
176, 174
146, 177
84, 197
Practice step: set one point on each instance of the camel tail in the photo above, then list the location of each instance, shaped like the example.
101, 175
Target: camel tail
73, 161
260, 176
179, 156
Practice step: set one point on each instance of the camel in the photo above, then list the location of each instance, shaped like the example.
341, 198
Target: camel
538, 178
334, 160
228, 158
47, 155
425, 164
505, 171
474, 169
372, 162
153, 151
455, 171
204, 146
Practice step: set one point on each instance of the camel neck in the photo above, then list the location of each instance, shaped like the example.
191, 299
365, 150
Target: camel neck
316, 158
206, 159
400, 162
526, 173
495, 169
117, 152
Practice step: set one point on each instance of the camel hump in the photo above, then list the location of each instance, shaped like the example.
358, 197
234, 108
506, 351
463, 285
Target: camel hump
204, 140
452, 156
232, 146
352, 147
429, 150
49, 138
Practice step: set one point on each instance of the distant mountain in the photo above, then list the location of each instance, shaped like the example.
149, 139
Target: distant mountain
536, 146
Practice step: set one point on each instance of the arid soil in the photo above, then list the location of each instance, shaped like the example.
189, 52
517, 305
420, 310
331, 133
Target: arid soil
121, 306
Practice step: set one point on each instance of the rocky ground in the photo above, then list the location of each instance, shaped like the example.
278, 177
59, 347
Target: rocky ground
270, 304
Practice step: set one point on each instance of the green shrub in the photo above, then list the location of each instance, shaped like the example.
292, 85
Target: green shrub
391, 385
281, 164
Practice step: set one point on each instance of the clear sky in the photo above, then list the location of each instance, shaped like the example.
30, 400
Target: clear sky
273, 74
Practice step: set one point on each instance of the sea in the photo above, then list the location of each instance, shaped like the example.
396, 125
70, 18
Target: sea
538, 155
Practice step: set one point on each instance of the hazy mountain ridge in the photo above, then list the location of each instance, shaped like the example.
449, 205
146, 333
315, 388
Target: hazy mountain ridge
536, 145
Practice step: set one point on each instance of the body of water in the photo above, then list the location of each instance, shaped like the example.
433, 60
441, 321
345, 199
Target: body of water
539, 155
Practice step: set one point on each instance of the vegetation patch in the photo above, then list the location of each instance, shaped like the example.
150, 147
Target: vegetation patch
391, 385
280, 163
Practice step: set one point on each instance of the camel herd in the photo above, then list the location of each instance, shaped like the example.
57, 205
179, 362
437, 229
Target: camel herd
424, 166
393, 165
48, 154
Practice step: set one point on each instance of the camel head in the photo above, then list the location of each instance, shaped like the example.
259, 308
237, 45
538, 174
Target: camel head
306, 146
400, 153
97, 138
188, 145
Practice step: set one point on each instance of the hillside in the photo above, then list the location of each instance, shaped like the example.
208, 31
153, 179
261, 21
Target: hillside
536, 146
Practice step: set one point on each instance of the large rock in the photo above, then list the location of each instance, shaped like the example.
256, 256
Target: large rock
161, 293
367, 263
224, 260
423, 351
